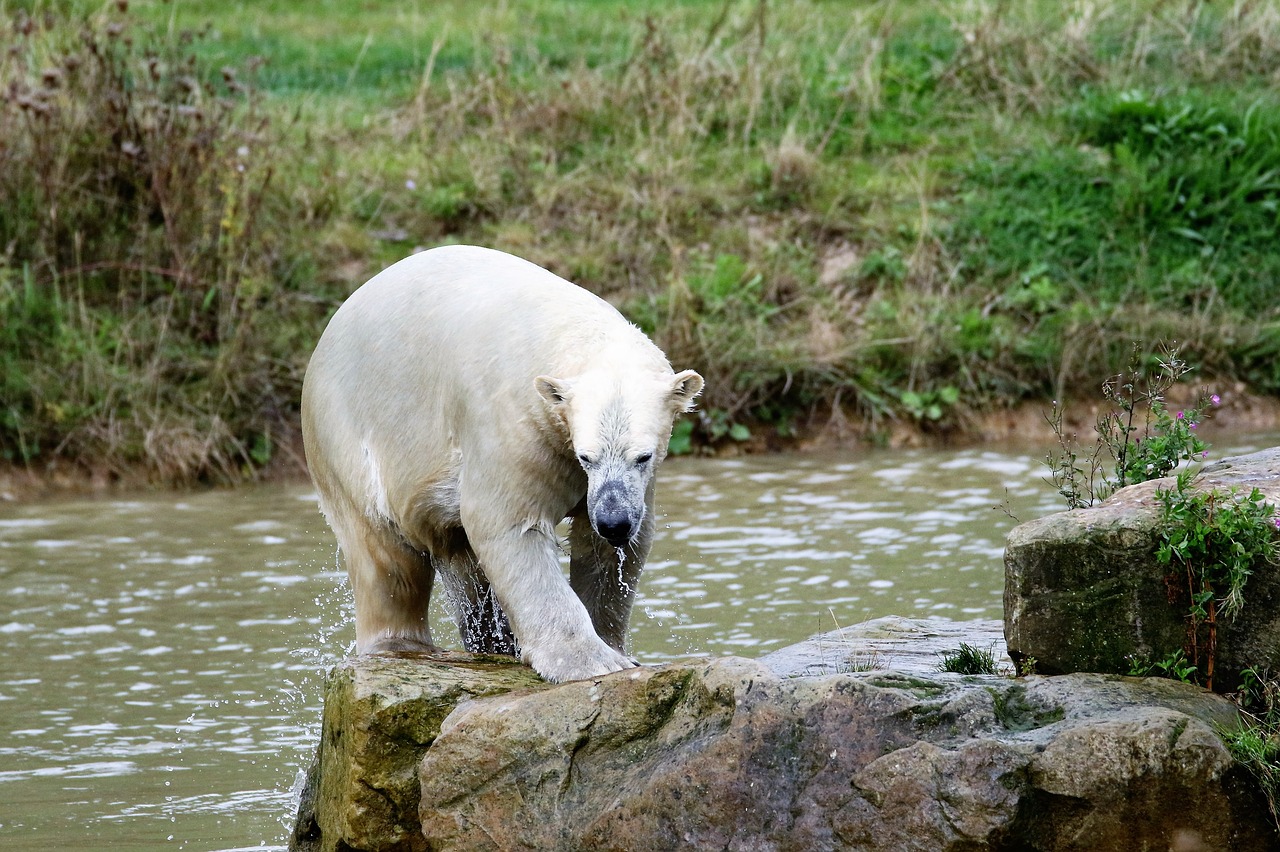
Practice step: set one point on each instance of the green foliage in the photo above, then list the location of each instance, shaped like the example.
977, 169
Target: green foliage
681, 442
1213, 542
1137, 438
968, 660
728, 288
1256, 745
1172, 198
1257, 749
1175, 666
930, 405
135, 271
1162, 441
717, 425
907, 211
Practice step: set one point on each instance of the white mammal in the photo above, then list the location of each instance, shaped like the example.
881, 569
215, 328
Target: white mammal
458, 406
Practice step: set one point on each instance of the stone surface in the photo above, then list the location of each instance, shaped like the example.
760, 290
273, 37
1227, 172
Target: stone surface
794, 752
726, 754
1084, 592
381, 712
902, 644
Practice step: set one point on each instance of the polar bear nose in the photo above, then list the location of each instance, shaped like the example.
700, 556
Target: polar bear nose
615, 527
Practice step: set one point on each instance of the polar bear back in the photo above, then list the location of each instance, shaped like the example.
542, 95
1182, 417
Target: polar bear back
442, 349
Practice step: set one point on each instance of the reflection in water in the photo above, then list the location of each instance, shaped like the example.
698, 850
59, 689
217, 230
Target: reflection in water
162, 662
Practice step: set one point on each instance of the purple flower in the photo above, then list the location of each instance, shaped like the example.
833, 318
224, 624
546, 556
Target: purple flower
1192, 425
1181, 414
1215, 399
1205, 454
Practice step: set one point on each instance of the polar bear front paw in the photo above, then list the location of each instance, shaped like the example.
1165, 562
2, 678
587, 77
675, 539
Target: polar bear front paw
577, 660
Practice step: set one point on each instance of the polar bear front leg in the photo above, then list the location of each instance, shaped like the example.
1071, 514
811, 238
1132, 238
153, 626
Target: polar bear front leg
605, 577
550, 623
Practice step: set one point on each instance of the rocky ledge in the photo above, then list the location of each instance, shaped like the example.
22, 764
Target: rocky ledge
802, 750
1084, 592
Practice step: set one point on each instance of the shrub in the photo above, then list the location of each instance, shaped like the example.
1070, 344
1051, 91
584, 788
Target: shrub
132, 268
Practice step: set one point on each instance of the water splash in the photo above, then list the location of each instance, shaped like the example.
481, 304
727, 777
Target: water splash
622, 582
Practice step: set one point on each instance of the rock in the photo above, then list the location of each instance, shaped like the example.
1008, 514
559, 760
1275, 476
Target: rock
1084, 592
434, 753
726, 754
381, 712
912, 645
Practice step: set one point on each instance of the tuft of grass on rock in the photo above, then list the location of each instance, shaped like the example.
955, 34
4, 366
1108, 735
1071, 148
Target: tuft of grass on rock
1256, 744
968, 660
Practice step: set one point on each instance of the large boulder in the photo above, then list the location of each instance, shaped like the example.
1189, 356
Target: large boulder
381, 713
736, 754
1084, 592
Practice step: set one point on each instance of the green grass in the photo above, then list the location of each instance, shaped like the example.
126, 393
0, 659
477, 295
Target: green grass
1255, 745
904, 211
968, 660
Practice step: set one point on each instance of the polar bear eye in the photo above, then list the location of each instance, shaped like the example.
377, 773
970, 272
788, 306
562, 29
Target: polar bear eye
643, 459
585, 460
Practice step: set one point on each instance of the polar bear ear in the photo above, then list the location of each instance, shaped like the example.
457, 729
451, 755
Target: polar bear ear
684, 388
556, 392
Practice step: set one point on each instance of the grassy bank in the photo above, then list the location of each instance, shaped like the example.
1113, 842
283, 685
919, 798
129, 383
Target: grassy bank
874, 211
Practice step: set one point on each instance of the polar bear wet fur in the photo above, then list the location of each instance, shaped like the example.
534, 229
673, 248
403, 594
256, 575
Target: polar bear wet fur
459, 406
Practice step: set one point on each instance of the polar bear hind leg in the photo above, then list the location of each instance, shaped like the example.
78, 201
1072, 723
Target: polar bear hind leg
391, 582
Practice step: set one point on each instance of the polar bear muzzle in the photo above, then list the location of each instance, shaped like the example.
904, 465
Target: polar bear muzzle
615, 510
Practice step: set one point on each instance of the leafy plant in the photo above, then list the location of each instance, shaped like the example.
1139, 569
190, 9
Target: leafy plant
681, 442
718, 425
1137, 438
1175, 666
1213, 541
930, 405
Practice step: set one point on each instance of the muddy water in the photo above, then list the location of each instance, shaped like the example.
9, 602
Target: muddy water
161, 661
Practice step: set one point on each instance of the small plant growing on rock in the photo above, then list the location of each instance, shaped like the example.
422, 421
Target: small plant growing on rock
1256, 746
968, 660
1174, 667
1212, 541
1137, 433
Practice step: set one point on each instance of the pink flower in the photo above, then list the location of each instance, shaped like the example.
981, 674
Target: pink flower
1181, 414
1205, 454
1215, 399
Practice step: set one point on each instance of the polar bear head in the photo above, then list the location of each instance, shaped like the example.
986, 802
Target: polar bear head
618, 429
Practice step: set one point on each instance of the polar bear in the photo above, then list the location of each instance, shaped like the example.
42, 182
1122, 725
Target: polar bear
460, 405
